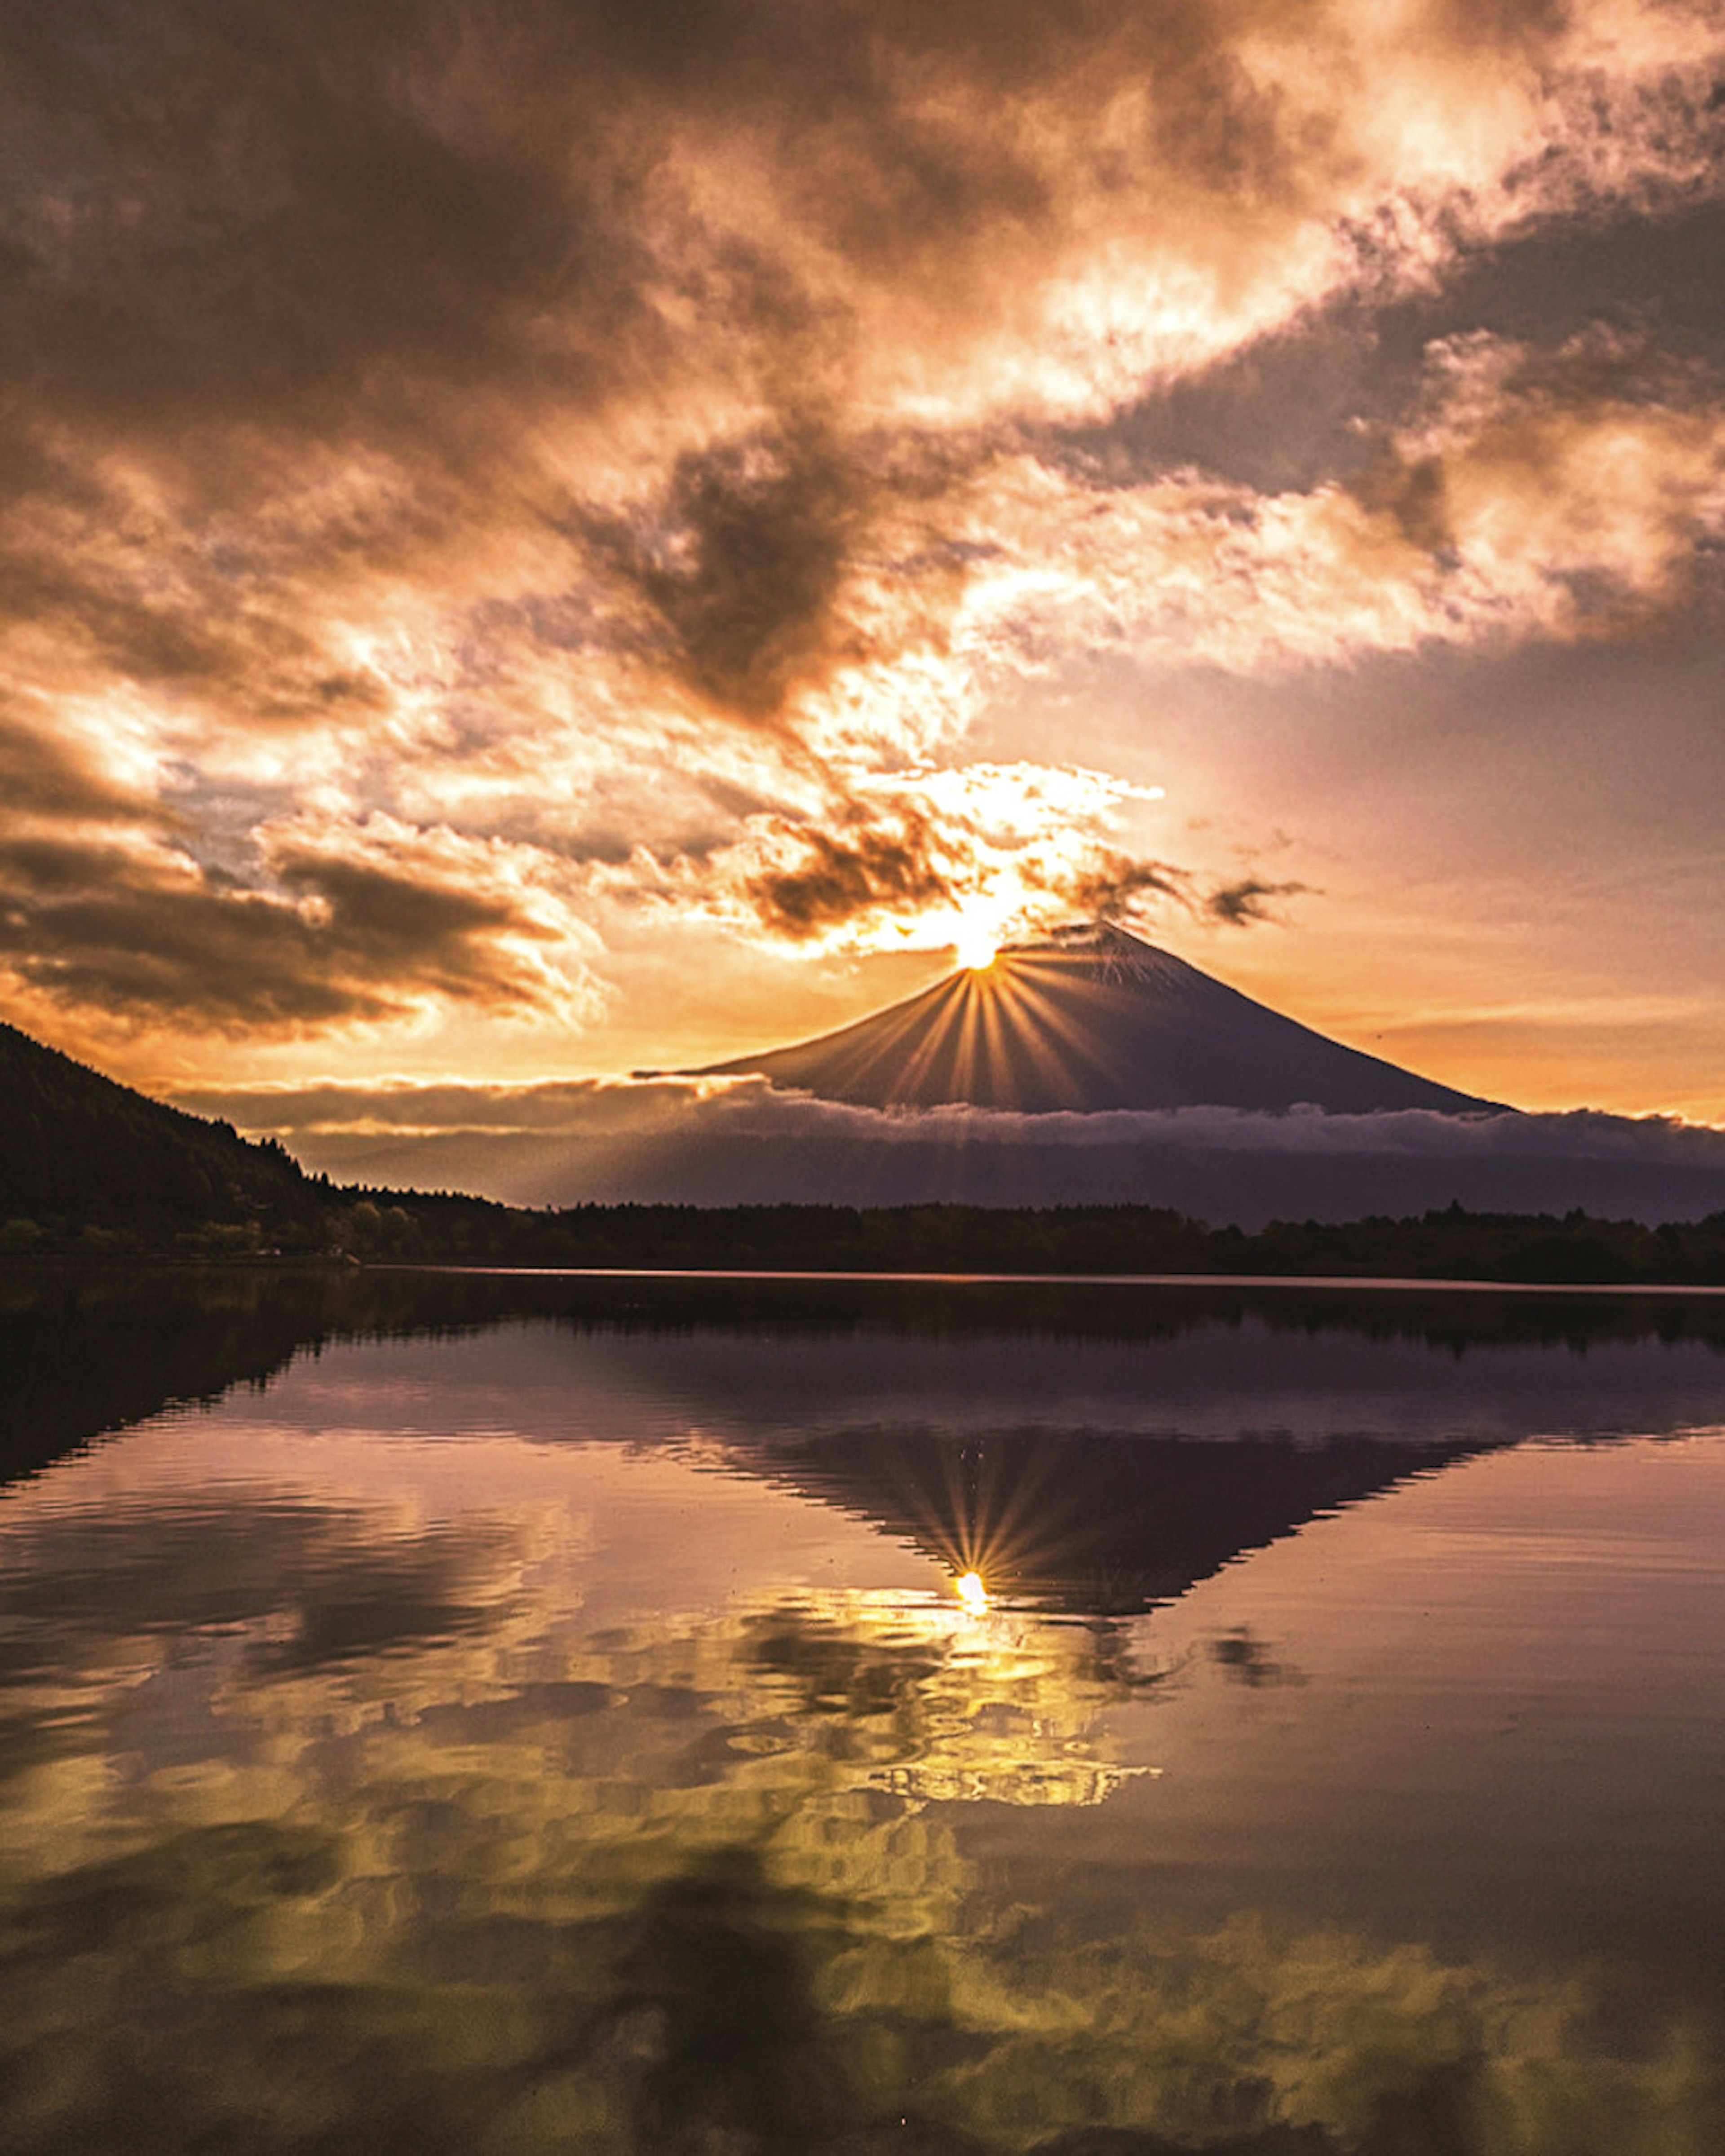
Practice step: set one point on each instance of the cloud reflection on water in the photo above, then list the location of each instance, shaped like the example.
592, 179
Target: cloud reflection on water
516, 1789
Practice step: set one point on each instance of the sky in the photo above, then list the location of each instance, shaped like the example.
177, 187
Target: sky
550, 537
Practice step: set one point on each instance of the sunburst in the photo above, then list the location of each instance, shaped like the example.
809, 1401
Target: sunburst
977, 944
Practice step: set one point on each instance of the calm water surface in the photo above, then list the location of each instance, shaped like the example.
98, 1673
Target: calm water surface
507, 1717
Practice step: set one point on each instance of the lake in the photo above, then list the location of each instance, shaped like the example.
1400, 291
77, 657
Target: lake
465, 1713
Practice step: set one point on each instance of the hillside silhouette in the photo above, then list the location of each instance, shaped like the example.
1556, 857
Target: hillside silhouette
81, 1155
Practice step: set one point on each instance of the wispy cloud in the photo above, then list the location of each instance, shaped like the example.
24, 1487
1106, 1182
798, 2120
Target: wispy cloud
605, 1108
739, 1141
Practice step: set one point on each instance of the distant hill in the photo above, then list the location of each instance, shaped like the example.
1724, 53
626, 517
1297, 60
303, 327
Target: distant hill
82, 1157
1090, 1020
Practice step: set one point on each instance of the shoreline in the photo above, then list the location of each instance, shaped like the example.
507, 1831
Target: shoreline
1341, 1283
16, 1265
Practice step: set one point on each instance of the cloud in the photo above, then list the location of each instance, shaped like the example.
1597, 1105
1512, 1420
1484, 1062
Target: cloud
750, 1106
1242, 903
959, 853
630, 424
963, 855
49, 774
344, 933
744, 572
738, 1140
839, 880
1565, 493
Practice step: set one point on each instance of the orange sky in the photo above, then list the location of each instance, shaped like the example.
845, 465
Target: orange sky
543, 537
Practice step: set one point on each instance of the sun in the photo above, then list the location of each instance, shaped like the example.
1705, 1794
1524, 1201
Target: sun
976, 946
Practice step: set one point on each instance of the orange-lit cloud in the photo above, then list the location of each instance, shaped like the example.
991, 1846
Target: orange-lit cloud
926, 858
357, 925
1532, 495
465, 473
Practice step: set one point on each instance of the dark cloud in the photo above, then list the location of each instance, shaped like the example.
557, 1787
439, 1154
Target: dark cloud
99, 905
1116, 886
286, 207
946, 859
737, 572
417, 228
1242, 903
840, 877
1412, 493
47, 775
1523, 432
262, 662
285, 211
341, 939
1292, 409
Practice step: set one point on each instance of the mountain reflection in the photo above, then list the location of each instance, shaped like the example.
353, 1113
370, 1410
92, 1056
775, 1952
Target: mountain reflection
1089, 1523
509, 1739
1096, 1507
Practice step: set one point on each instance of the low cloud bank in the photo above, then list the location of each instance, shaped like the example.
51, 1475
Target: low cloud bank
741, 1141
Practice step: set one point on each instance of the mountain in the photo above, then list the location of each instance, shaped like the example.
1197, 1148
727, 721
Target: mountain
1094, 1018
79, 1152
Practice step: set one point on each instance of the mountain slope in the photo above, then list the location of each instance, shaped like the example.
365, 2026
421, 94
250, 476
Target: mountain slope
1092, 1019
78, 1150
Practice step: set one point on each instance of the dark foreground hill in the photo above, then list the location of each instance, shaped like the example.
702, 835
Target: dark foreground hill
81, 1156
